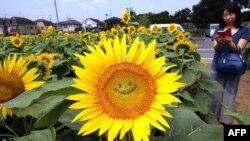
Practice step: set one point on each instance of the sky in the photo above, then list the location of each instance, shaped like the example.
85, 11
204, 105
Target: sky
81, 9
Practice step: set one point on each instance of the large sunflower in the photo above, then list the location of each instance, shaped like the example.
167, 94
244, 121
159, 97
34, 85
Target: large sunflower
14, 80
125, 90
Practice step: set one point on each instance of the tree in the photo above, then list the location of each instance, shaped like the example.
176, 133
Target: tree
182, 16
162, 17
207, 11
143, 19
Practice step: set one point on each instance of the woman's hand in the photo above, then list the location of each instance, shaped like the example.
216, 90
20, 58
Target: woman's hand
227, 40
218, 38
230, 43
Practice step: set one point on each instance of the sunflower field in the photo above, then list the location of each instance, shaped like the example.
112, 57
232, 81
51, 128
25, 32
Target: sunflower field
129, 83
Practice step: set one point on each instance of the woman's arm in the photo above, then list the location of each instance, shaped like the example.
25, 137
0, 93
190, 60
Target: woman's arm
217, 42
241, 43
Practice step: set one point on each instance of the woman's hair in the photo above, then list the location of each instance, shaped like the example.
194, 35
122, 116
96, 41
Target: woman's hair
232, 8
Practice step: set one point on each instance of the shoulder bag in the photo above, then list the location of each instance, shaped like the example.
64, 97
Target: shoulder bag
231, 63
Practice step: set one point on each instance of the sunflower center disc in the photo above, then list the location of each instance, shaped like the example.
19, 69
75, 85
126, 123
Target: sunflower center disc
10, 87
126, 90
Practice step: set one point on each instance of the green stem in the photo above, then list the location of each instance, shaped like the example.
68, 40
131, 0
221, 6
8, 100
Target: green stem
26, 126
52, 133
60, 127
6, 135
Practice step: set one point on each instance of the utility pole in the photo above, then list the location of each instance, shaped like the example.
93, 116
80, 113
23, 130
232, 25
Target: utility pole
58, 24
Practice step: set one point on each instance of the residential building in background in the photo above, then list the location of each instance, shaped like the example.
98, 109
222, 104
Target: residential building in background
20, 25
70, 26
94, 25
42, 24
3, 26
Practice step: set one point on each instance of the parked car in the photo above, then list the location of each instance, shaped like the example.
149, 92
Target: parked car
210, 29
167, 25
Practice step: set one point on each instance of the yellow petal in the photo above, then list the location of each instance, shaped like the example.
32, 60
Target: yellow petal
30, 75
109, 51
123, 48
115, 129
133, 50
105, 125
156, 65
126, 127
33, 84
117, 50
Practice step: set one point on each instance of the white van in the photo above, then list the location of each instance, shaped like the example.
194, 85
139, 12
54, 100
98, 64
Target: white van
166, 26
210, 29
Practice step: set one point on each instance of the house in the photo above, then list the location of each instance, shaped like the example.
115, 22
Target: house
93, 25
3, 26
70, 26
111, 22
20, 25
42, 24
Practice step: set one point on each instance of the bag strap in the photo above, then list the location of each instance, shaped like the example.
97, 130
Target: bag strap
240, 53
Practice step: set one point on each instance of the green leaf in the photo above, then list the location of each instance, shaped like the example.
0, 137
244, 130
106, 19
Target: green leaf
171, 54
186, 125
39, 107
26, 98
188, 77
46, 102
58, 62
185, 95
197, 66
196, 55
163, 39
50, 118
201, 101
62, 70
40, 135
240, 117
210, 85
68, 116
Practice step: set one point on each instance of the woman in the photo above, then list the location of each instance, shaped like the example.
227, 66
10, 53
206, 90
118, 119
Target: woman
230, 18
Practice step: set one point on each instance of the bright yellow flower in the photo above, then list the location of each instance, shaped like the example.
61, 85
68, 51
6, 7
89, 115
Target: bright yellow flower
60, 33
187, 34
14, 80
159, 30
50, 29
125, 16
114, 31
131, 29
141, 29
49, 61
103, 36
148, 32
187, 45
155, 27
16, 41
180, 37
125, 91
172, 28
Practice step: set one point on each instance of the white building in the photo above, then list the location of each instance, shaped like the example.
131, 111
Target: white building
70, 26
91, 24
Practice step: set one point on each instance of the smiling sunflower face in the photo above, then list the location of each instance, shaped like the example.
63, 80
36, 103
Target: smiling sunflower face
126, 90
